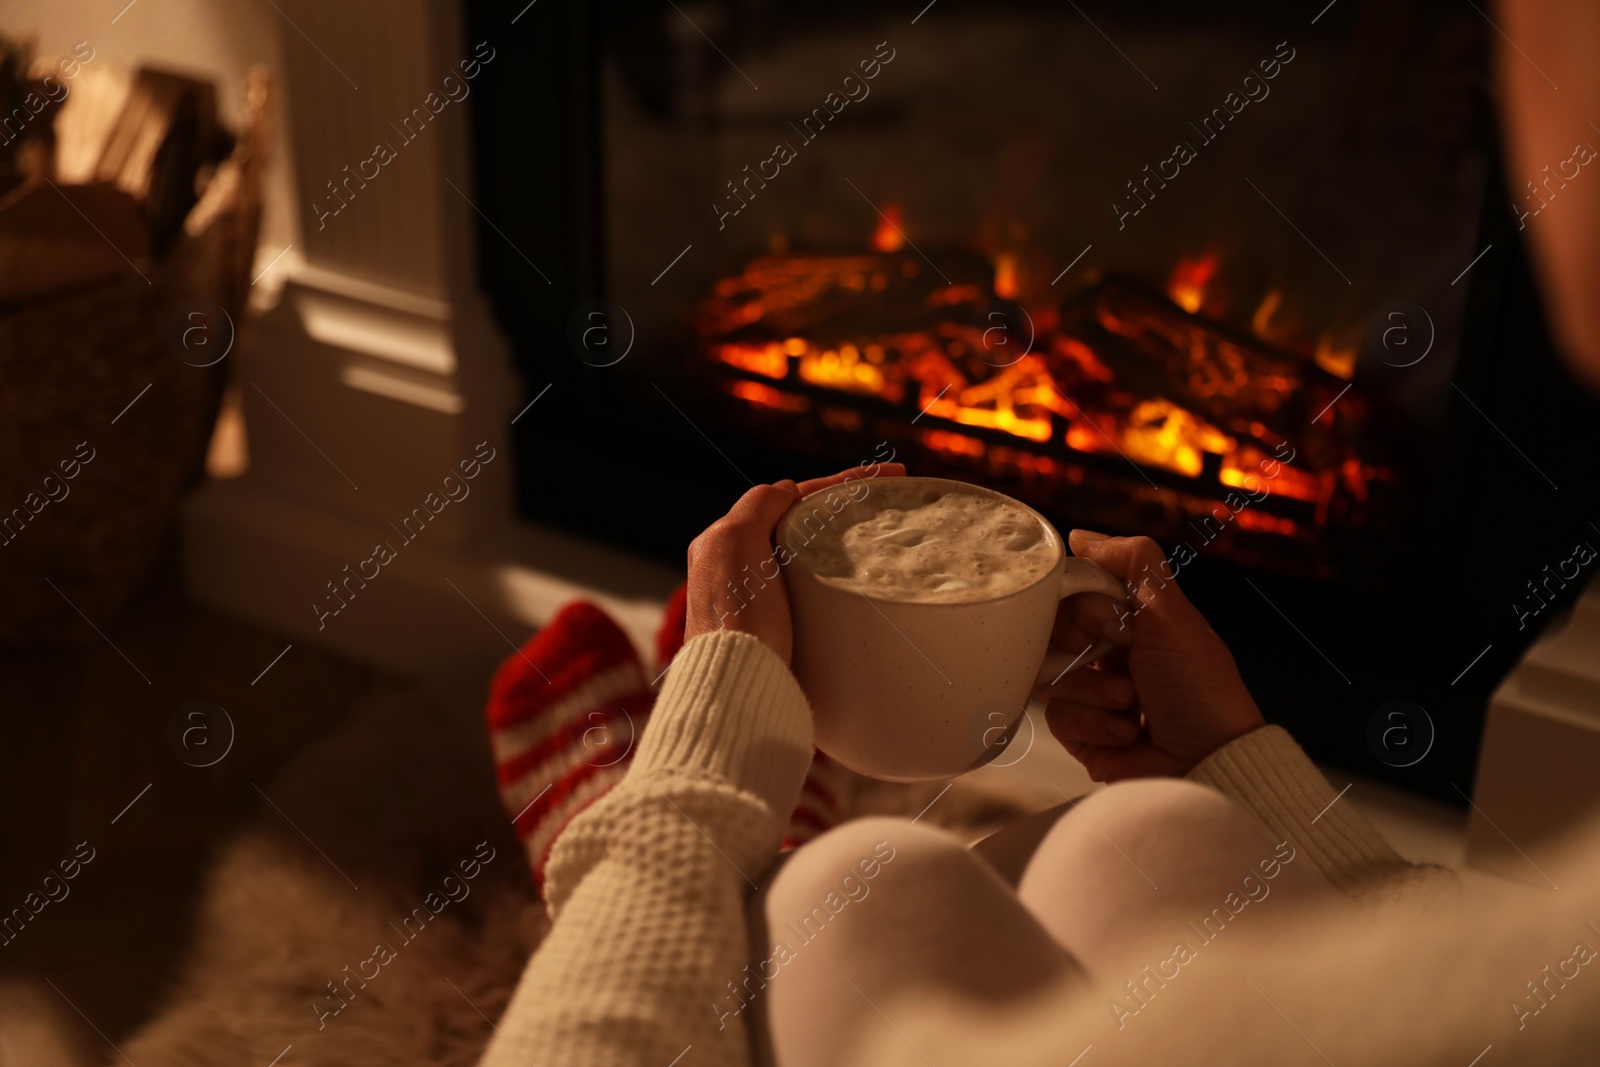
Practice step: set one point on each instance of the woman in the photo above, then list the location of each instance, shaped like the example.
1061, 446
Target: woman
676, 934
1201, 914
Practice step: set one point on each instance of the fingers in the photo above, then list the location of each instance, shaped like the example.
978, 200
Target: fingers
1144, 566
743, 535
1081, 724
1087, 618
1093, 688
759, 510
1126, 557
734, 579
756, 514
813, 485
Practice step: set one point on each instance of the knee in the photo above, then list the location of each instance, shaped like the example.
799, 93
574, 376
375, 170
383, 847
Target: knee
876, 845
1162, 822
1162, 805
859, 856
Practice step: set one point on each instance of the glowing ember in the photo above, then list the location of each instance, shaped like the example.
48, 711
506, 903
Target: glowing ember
1252, 470
765, 396
952, 444
1187, 287
887, 237
1017, 401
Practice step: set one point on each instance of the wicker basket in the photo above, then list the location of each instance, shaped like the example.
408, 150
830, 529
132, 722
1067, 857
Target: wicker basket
70, 367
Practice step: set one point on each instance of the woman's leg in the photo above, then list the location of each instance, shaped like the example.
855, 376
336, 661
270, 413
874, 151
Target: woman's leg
1145, 865
870, 909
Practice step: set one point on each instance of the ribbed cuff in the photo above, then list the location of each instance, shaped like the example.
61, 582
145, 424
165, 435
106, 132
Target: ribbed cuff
731, 708
1267, 773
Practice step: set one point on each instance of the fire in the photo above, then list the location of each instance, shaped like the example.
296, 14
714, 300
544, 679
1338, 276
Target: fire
1187, 287
1338, 360
1163, 434
764, 396
766, 360
1005, 276
952, 443
1253, 470
847, 368
1261, 321
995, 403
887, 237
1118, 373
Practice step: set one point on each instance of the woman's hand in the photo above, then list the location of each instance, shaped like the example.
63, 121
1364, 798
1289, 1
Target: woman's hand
1167, 696
734, 579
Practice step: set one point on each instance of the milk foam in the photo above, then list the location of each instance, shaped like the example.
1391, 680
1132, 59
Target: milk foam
909, 540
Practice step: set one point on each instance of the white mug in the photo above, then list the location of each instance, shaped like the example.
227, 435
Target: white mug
909, 692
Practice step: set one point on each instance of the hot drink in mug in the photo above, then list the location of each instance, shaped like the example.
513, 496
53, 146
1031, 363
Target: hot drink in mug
922, 615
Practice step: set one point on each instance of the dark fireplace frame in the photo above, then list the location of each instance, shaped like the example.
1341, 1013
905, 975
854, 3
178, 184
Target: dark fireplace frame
1321, 658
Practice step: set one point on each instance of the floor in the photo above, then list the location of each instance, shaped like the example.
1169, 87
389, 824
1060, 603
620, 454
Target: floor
94, 759
91, 766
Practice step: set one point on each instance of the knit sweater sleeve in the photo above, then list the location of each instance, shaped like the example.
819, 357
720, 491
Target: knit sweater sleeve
1268, 774
646, 887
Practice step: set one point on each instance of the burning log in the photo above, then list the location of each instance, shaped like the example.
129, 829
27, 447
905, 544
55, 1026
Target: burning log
1119, 376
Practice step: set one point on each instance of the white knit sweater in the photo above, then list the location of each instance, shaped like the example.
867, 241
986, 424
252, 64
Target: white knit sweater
647, 889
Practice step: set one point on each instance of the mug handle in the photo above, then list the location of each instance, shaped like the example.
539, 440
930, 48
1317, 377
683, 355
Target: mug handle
1081, 576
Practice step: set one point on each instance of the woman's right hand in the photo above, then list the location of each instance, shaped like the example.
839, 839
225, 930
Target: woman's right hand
1168, 694
739, 546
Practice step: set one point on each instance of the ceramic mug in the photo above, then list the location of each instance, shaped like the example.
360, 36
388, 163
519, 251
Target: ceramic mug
910, 692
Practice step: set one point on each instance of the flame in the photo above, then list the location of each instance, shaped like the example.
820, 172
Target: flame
1187, 287
1005, 276
845, 368
1338, 360
1163, 434
1067, 393
887, 237
766, 360
1254, 471
993, 404
1263, 316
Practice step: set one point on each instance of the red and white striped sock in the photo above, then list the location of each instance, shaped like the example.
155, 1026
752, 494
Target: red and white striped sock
563, 716
824, 798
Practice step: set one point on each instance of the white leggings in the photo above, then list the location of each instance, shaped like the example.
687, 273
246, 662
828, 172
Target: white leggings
880, 906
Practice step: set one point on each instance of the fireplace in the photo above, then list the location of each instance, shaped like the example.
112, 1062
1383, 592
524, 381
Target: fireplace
1244, 283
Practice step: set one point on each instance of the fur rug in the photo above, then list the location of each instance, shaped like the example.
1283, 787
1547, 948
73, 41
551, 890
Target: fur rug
364, 942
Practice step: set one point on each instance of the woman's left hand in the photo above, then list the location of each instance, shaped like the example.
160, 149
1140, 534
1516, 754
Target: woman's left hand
735, 554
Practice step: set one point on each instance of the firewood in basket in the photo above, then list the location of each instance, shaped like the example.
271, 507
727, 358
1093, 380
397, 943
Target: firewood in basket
28, 108
167, 132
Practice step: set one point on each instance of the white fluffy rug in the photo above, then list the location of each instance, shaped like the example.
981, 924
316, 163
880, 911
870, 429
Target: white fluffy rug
385, 813
399, 807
